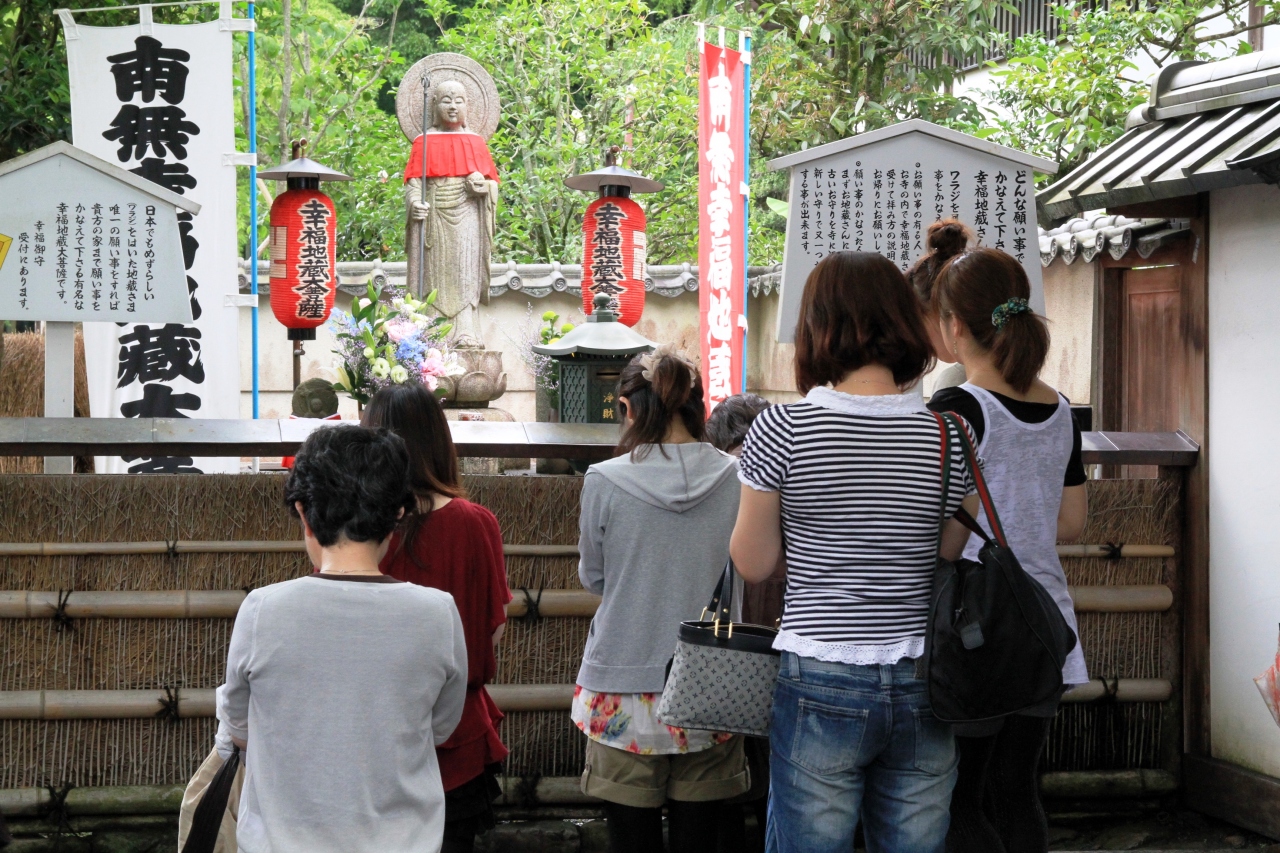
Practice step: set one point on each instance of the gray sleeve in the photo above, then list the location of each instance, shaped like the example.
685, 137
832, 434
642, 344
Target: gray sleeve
591, 534
453, 695
233, 695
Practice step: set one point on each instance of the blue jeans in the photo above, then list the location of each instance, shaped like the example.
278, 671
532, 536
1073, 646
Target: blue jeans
852, 742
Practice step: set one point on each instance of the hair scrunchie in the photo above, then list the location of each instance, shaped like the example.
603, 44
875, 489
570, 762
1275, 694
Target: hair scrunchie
649, 361
1000, 316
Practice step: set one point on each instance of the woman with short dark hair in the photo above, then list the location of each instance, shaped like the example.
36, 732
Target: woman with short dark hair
340, 684
850, 478
448, 543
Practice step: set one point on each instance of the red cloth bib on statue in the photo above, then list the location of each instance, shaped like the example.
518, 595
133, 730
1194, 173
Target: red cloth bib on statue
451, 155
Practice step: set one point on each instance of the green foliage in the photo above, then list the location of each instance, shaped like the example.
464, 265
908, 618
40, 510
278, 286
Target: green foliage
35, 95
574, 77
1065, 99
551, 329
870, 63
324, 88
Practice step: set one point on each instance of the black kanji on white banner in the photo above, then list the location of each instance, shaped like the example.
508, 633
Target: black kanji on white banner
154, 135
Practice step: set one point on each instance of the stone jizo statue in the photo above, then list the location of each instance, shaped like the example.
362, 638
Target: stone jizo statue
456, 217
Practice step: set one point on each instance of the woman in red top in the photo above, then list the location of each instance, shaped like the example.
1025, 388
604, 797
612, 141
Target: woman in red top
453, 545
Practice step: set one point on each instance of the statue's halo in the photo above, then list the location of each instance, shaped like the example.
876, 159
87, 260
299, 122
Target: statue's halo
482, 94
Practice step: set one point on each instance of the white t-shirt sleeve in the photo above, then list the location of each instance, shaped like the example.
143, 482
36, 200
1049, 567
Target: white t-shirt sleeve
233, 695
448, 708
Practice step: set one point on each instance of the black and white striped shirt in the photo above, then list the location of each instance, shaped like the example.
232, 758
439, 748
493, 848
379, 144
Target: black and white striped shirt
861, 484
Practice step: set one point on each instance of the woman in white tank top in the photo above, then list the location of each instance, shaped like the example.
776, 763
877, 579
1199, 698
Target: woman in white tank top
1030, 452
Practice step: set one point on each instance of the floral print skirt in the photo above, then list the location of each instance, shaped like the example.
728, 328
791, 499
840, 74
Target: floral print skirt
630, 721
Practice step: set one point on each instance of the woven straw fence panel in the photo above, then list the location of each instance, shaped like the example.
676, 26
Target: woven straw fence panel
1106, 735
139, 654
112, 654
22, 392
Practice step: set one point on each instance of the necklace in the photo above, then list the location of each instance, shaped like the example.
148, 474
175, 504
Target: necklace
349, 572
882, 383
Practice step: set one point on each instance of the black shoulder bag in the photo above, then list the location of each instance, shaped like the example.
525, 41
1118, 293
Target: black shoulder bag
996, 641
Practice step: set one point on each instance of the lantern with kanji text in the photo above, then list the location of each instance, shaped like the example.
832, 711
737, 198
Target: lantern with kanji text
303, 235
613, 236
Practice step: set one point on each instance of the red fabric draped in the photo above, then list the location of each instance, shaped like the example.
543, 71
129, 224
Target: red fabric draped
451, 155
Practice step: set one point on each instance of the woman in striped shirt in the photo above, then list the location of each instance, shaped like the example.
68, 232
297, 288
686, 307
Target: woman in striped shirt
850, 479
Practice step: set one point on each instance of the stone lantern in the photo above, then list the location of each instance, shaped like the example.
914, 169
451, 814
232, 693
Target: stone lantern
590, 359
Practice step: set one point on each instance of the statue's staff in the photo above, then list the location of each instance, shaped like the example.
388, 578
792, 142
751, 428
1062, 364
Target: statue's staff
422, 230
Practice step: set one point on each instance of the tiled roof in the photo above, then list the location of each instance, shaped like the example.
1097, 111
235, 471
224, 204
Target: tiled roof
536, 280
1208, 126
1088, 236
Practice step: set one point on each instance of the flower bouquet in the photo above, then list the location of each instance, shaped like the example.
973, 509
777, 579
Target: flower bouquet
389, 343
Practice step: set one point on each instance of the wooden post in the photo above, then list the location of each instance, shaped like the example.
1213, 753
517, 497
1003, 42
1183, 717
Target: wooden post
59, 384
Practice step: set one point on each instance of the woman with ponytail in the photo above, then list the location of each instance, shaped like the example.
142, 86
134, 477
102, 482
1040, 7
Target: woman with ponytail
1030, 447
654, 539
944, 239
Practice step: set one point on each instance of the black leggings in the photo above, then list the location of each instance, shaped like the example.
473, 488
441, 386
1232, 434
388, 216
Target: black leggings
996, 805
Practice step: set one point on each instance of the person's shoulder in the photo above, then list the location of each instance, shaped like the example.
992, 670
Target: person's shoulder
779, 416
277, 591
474, 512
426, 596
946, 399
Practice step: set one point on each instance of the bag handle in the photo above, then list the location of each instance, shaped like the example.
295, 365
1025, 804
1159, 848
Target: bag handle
979, 482
207, 818
721, 605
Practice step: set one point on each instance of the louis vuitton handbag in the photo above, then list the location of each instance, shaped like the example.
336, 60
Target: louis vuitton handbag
723, 673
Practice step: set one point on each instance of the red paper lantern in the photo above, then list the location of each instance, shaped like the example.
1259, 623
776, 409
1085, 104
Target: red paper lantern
613, 258
304, 272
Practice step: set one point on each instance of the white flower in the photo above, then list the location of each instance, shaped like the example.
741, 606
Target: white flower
399, 374
434, 353
380, 368
368, 352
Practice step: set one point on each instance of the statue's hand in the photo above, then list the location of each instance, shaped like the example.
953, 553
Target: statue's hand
477, 184
419, 210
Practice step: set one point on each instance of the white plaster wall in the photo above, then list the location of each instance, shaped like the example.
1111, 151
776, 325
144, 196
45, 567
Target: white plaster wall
505, 321
1244, 470
275, 363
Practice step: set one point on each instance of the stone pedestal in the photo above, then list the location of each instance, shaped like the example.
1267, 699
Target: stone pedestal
483, 382
468, 397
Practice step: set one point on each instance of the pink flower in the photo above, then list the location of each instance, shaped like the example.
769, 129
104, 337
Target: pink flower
398, 330
433, 366
431, 382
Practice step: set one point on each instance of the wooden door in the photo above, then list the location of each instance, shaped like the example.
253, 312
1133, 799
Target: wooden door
1151, 346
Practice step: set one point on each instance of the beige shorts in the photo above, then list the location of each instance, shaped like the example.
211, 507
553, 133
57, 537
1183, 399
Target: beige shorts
648, 781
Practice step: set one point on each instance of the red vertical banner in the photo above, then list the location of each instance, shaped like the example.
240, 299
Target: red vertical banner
721, 235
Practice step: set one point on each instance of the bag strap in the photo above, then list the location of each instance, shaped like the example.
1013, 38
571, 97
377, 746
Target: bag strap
721, 605
206, 821
980, 484
944, 457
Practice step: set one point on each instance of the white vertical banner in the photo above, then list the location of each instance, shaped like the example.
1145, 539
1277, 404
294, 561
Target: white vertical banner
157, 99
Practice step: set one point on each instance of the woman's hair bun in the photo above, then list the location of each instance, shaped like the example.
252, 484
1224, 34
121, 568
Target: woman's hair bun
947, 238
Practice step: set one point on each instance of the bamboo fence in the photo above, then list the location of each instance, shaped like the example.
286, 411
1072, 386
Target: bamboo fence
1119, 724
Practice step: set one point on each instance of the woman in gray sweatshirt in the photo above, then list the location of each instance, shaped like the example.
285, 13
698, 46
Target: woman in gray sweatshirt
654, 539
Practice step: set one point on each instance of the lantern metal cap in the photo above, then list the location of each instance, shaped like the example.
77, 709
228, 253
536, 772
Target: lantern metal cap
613, 175
602, 334
303, 167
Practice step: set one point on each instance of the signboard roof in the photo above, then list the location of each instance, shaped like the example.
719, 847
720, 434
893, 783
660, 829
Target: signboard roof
111, 170
916, 125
